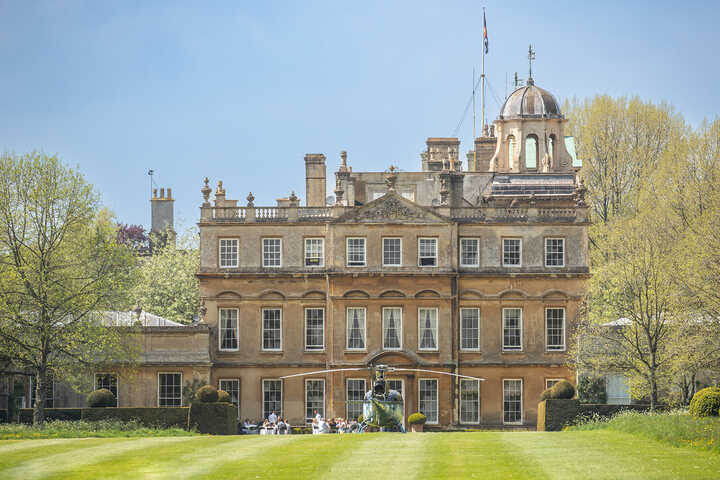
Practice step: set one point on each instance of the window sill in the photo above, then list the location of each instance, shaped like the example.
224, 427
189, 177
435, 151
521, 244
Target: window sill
315, 351
556, 351
427, 350
272, 351
512, 351
355, 351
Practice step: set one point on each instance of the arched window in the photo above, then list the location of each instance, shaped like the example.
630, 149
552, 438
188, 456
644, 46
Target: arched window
511, 150
531, 151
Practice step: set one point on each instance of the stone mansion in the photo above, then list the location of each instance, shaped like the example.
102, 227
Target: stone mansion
477, 271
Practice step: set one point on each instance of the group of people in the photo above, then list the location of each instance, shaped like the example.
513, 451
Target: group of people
339, 424
272, 425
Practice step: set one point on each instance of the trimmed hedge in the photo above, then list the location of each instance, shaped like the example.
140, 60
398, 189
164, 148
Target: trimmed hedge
148, 416
417, 419
214, 418
101, 398
554, 414
706, 402
224, 397
207, 394
3, 416
26, 414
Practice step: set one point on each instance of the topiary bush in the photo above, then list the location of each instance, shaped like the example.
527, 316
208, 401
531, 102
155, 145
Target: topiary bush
207, 394
101, 398
706, 402
417, 419
562, 389
224, 397
545, 394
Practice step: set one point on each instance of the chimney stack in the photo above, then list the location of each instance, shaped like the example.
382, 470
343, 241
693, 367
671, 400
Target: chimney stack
315, 180
162, 211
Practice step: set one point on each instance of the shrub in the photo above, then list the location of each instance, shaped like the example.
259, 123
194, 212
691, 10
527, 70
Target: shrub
591, 390
224, 397
562, 389
101, 398
214, 418
82, 428
706, 402
417, 419
206, 394
545, 395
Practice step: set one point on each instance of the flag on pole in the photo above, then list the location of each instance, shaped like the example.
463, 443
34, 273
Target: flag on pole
485, 39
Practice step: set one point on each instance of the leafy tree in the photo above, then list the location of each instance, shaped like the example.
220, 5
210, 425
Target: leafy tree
166, 283
591, 389
630, 306
133, 236
60, 265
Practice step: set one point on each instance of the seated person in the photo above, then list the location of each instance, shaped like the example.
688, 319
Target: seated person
323, 426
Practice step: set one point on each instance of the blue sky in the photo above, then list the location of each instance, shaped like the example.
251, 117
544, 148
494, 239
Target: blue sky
240, 91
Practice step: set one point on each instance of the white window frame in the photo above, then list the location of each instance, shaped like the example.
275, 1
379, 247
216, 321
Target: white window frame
555, 380
221, 380
221, 329
434, 239
520, 253
308, 380
322, 252
522, 394
348, 327
383, 252
158, 386
398, 328
512, 348
117, 385
563, 252
437, 399
462, 336
237, 251
279, 265
262, 330
460, 414
282, 397
347, 397
462, 250
556, 348
437, 329
347, 252
314, 348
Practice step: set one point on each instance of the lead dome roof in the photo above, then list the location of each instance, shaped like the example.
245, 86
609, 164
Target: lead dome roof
530, 101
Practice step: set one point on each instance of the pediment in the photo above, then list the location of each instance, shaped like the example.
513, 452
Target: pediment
391, 208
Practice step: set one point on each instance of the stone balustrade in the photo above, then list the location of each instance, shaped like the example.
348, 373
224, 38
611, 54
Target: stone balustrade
234, 214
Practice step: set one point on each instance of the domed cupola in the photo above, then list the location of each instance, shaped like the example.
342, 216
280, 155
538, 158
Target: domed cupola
530, 102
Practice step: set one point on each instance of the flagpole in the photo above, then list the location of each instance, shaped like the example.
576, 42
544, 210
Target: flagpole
482, 88
474, 134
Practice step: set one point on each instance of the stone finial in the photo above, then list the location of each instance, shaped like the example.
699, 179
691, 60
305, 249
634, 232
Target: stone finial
155, 193
391, 178
579, 193
219, 190
444, 189
338, 192
250, 199
206, 190
202, 310
343, 158
293, 197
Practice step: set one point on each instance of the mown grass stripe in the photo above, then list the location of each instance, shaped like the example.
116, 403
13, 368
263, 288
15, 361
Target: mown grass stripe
32, 449
60, 465
310, 456
400, 453
611, 455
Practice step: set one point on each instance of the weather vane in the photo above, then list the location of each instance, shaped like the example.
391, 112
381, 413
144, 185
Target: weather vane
531, 57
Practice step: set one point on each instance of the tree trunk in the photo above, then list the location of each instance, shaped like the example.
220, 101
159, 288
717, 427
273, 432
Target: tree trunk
653, 391
40, 389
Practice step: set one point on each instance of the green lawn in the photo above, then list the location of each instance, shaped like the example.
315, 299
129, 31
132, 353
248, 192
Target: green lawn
494, 455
